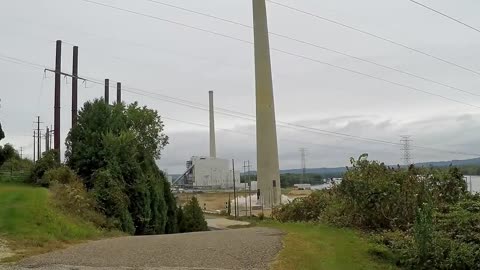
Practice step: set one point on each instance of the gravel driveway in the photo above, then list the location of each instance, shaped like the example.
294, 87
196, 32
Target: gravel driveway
250, 248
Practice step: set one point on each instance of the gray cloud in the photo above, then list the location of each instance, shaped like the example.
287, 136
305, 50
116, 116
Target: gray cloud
180, 62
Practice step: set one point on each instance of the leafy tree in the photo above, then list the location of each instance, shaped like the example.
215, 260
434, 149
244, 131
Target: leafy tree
193, 217
181, 220
172, 224
7, 152
113, 149
47, 162
2, 134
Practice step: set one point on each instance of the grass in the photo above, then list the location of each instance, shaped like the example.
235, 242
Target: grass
31, 225
322, 247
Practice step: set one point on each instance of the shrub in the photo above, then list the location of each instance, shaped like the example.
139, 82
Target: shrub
48, 161
303, 209
59, 175
193, 218
69, 194
111, 198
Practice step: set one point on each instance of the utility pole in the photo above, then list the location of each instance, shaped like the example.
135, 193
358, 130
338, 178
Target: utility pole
107, 91
34, 139
21, 152
119, 92
47, 139
249, 187
406, 148
267, 148
75, 86
47, 135
50, 140
234, 188
58, 70
303, 152
39, 137
245, 184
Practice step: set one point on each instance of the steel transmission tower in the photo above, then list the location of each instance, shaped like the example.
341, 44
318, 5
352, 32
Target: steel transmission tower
406, 150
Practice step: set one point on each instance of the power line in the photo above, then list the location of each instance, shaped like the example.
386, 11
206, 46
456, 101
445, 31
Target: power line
375, 36
317, 46
285, 52
445, 15
232, 113
310, 129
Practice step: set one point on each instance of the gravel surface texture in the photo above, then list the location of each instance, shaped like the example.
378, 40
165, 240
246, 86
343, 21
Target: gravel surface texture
250, 248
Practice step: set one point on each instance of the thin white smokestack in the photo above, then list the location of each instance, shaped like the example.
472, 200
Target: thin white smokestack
213, 148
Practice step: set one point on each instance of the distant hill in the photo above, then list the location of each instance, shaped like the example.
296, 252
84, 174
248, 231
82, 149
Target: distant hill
341, 170
466, 162
322, 171
337, 171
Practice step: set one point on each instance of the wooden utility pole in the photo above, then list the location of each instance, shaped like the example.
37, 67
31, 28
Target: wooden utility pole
107, 91
119, 92
250, 187
75, 86
34, 139
47, 137
234, 188
58, 70
39, 137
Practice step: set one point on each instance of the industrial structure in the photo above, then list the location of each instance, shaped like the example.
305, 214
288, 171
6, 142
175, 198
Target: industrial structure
268, 173
406, 142
209, 172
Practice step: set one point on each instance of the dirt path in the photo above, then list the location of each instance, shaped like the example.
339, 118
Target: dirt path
5, 252
251, 248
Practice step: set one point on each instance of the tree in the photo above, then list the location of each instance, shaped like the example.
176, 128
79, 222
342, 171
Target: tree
2, 134
7, 152
113, 149
193, 217
47, 162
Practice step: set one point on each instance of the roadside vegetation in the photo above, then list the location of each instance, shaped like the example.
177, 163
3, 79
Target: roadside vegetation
324, 247
30, 222
416, 218
108, 184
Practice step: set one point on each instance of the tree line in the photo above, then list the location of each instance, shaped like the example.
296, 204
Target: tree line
112, 152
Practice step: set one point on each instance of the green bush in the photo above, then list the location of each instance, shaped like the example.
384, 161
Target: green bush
59, 175
303, 209
192, 217
47, 162
70, 195
110, 195
114, 149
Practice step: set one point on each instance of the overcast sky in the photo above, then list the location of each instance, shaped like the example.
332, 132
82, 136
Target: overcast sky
184, 63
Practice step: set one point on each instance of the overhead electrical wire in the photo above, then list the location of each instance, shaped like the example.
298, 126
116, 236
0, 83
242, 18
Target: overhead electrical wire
336, 147
250, 117
284, 52
297, 127
316, 46
445, 15
374, 35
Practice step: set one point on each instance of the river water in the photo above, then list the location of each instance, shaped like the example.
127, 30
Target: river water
473, 184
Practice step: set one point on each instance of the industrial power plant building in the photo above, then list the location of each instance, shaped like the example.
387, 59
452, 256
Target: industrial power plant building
209, 172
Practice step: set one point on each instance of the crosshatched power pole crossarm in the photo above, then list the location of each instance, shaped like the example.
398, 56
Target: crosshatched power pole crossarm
267, 148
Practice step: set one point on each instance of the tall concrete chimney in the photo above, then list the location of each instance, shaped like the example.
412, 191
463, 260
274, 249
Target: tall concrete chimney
213, 148
267, 150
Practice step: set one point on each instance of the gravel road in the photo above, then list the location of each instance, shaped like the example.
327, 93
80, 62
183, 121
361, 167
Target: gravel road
250, 248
